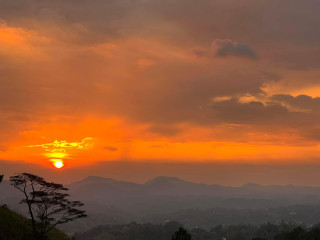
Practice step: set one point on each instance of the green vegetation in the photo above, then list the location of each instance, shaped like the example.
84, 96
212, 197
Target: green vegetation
14, 226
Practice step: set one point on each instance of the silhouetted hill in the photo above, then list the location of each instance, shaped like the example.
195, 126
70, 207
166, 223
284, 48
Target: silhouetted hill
14, 226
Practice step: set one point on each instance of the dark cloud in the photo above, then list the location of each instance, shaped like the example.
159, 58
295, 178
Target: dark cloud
253, 112
245, 20
303, 102
76, 81
110, 148
282, 113
226, 47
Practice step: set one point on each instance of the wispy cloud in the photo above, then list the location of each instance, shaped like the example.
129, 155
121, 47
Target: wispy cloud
60, 149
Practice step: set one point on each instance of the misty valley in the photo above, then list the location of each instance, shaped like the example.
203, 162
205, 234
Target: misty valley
157, 208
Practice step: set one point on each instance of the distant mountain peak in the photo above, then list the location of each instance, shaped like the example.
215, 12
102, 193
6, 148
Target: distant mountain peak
106, 180
164, 179
96, 178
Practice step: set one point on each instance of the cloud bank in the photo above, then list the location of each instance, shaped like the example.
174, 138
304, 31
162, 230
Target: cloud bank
159, 67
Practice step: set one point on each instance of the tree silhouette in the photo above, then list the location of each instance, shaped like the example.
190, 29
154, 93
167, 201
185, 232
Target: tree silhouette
47, 203
181, 234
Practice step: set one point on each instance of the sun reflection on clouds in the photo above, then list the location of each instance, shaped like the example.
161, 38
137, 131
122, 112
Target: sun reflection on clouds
58, 146
58, 151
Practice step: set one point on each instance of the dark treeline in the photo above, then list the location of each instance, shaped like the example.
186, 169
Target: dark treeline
203, 218
268, 231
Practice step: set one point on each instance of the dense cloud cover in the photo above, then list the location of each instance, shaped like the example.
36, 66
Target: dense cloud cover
164, 65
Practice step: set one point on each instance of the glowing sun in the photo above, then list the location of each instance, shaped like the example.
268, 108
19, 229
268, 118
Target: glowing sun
58, 164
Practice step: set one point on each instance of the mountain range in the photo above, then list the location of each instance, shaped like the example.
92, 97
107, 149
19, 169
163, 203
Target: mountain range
110, 201
98, 186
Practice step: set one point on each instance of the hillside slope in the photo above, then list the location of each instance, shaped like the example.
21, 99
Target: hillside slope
14, 226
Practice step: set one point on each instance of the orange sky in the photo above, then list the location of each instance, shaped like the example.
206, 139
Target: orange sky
160, 81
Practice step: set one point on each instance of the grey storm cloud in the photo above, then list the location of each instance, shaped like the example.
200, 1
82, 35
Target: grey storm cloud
226, 47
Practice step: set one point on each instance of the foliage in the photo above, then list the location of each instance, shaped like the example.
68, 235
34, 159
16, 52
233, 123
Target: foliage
14, 226
148, 231
132, 231
47, 203
181, 234
300, 233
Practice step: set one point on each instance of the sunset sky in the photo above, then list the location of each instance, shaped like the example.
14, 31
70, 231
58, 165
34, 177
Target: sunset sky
168, 83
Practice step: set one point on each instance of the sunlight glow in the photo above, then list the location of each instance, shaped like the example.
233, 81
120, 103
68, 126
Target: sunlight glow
58, 151
58, 146
58, 163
